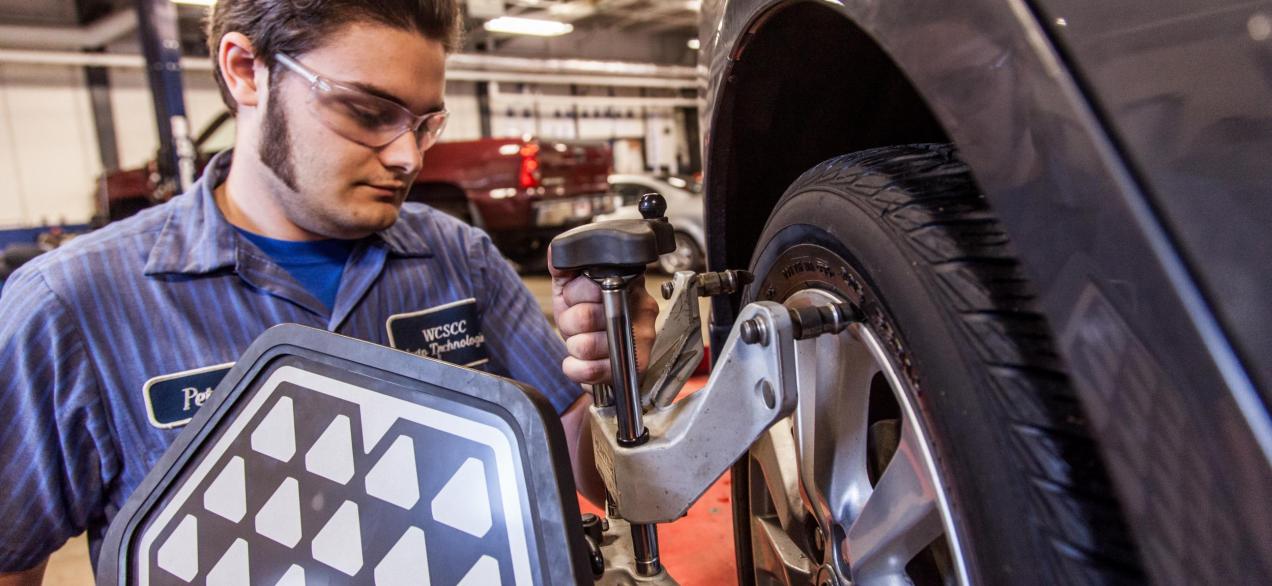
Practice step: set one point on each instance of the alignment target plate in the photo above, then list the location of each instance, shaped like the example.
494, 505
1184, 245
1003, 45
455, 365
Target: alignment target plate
318, 476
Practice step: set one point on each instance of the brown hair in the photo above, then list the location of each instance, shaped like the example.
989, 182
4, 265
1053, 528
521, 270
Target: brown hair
297, 26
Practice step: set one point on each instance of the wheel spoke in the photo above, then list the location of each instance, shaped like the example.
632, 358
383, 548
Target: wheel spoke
900, 518
833, 449
776, 554
775, 453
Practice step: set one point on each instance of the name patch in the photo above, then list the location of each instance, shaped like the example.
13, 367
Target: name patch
450, 332
173, 399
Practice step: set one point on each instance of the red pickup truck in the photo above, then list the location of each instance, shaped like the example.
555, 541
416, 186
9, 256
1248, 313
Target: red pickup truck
521, 191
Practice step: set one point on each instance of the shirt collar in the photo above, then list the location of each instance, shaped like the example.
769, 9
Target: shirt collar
197, 239
404, 240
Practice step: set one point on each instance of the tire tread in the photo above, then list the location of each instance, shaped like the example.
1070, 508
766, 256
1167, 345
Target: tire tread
928, 197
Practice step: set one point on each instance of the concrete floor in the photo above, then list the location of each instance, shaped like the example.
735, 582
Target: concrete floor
696, 550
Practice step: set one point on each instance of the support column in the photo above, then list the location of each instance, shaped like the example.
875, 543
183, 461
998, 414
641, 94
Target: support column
161, 45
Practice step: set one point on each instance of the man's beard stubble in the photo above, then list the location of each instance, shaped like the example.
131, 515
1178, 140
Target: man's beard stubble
275, 147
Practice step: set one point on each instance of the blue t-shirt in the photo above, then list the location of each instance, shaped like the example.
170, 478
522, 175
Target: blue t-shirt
316, 264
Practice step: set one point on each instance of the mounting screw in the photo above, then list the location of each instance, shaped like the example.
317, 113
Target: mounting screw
667, 290
755, 332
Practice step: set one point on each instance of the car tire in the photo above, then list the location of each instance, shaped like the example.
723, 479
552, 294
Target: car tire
687, 257
968, 386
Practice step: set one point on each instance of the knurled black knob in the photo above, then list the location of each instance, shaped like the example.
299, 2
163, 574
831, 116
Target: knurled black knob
592, 527
652, 206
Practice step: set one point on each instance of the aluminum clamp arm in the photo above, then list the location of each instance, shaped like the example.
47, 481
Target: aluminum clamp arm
694, 440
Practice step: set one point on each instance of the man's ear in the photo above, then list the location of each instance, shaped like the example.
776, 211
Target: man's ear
236, 57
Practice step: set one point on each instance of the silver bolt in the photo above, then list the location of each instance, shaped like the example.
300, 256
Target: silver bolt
755, 332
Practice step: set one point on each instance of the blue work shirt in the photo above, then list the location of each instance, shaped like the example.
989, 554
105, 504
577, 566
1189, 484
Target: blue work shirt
176, 288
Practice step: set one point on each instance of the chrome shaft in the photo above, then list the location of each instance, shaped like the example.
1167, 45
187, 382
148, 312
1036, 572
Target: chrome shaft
626, 388
625, 394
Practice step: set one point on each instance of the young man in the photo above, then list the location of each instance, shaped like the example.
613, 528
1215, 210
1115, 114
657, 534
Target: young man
302, 222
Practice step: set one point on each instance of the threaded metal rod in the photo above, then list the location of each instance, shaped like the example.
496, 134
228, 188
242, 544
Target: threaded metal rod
618, 329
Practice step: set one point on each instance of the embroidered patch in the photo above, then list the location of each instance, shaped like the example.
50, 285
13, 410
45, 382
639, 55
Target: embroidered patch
173, 399
450, 332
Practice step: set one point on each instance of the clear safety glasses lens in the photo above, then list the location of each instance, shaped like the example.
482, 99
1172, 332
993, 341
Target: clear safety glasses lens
371, 120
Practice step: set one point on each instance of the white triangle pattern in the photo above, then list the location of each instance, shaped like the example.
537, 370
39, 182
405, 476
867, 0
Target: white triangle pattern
295, 576
276, 435
232, 569
180, 553
279, 517
393, 478
331, 456
227, 495
464, 503
484, 572
376, 421
339, 543
406, 564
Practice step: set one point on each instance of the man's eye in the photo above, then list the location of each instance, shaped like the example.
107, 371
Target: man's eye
367, 116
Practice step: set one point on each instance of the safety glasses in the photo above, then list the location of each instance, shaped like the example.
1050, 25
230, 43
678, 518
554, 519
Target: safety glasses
364, 118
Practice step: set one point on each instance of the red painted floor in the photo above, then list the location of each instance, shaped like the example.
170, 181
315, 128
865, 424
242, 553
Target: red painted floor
697, 549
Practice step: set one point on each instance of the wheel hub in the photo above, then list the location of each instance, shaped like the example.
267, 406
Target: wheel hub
854, 462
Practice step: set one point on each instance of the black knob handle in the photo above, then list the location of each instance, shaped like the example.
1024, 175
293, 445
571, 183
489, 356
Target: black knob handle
652, 206
594, 534
592, 527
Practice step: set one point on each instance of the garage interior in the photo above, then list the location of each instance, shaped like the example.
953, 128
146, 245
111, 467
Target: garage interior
77, 105
949, 293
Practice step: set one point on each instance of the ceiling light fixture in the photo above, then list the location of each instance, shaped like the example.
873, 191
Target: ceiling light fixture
695, 44
528, 26
195, 2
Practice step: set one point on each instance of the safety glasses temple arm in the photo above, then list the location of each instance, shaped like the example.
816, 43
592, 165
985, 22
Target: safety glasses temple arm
300, 70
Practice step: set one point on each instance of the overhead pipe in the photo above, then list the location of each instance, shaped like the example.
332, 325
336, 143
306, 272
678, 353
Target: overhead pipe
456, 72
97, 34
470, 61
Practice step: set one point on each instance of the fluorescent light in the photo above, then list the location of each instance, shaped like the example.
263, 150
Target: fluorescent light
694, 5
694, 44
195, 2
571, 10
528, 26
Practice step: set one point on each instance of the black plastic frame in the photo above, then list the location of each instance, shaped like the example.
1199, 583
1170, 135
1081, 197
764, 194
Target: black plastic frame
553, 503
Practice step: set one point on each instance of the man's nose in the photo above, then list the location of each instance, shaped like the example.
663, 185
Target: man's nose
403, 154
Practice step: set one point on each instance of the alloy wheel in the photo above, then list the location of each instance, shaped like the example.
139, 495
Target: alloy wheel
847, 489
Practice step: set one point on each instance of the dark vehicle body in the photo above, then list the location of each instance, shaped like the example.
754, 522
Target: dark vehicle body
1127, 149
124, 192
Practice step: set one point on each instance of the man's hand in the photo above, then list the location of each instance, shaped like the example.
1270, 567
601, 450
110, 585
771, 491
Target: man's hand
580, 315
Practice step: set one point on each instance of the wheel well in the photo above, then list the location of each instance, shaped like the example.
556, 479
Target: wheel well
808, 85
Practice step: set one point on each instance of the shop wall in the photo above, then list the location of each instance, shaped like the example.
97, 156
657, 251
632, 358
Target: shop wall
48, 148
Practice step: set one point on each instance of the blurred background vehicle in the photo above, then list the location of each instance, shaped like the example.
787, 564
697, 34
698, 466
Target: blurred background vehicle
522, 191
684, 209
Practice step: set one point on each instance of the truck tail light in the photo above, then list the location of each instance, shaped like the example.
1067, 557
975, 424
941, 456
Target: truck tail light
528, 174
